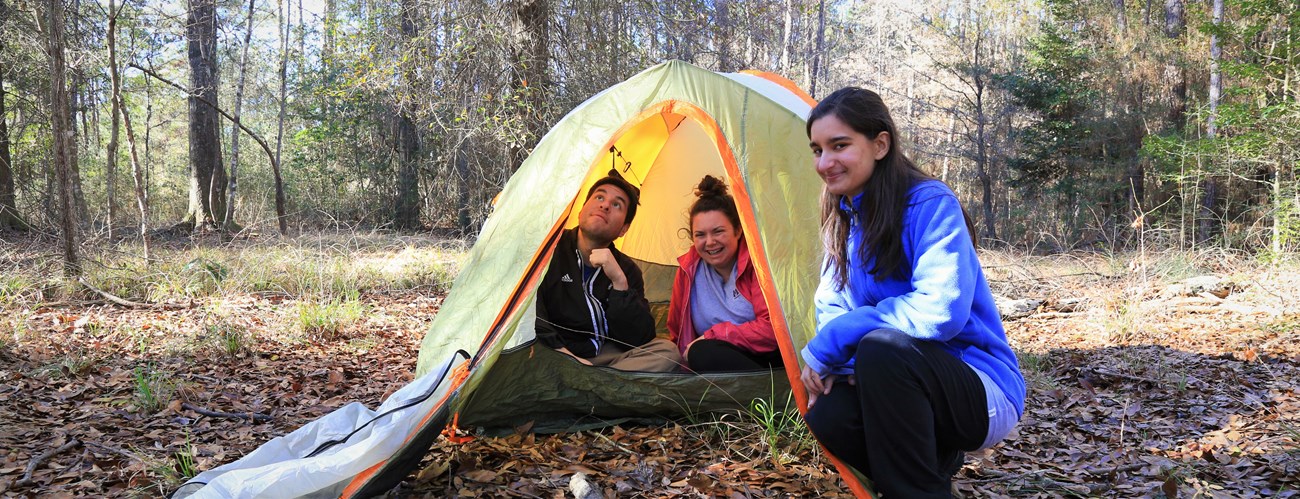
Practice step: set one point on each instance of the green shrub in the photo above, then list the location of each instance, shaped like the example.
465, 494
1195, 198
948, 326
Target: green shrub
327, 319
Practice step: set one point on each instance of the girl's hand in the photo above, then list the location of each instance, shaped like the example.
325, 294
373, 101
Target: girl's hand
814, 384
818, 386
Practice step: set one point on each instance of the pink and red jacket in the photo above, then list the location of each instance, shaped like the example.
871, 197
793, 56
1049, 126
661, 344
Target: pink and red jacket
756, 335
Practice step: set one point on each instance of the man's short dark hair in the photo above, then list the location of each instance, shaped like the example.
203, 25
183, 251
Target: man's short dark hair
633, 194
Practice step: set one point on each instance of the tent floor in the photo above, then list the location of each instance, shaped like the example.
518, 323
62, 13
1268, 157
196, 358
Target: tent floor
554, 392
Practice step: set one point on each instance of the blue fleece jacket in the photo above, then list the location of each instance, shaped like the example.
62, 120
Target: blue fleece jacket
942, 295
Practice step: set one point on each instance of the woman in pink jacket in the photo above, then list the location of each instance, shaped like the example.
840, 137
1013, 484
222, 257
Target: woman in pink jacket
717, 315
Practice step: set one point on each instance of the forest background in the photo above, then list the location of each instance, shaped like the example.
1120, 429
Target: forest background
1062, 124
258, 206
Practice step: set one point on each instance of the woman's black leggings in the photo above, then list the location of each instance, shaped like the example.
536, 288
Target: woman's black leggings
709, 355
906, 424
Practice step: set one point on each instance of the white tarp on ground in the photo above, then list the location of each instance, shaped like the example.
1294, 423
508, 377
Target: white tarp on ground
306, 463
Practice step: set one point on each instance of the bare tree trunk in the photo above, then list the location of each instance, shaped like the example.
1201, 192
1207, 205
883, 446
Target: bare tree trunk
207, 173
114, 77
952, 129
1216, 84
981, 147
327, 52
137, 174
786, 36
529, 46
1208, 220
1174, 27
233, 185
1121, 18
406, 141
280, 214
817, 55
60, 126
9, 218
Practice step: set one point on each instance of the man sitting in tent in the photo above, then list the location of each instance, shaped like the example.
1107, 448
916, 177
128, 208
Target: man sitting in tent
591, 304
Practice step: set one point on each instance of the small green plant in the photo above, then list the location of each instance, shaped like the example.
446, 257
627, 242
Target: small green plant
327, 319
70, 365
225, 335
176, 469
1124, 318
184, 460
783, 429
1037, 368
153, 388
14, 288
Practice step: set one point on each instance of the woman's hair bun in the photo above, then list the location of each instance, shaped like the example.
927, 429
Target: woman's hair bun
711, 186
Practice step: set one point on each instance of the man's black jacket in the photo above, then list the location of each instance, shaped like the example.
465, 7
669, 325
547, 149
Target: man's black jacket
585, 315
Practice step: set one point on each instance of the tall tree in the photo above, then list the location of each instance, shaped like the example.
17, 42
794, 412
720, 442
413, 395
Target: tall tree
115, 91
233, 185
1207, 218
120, 110
64, 144
9, 218
529, 51
1175, 25
817, 54
137, 175
207, 172
280, 214
406, 140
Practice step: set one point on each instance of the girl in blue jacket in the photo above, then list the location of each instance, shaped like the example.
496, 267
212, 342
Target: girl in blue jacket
910, 366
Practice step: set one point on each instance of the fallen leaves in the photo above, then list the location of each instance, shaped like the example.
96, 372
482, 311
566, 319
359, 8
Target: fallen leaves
1189, 403
75, 374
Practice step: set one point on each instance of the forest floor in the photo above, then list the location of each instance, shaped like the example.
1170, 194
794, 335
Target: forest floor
1141, 382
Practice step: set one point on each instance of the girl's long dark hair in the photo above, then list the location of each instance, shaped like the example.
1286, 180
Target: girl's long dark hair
884, 198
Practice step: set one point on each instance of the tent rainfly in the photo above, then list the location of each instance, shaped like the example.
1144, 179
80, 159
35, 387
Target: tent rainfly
663, 129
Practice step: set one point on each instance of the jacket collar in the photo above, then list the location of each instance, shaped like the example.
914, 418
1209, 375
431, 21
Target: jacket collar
852, 205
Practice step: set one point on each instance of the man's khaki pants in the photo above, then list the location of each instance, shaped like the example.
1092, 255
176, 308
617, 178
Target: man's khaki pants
659, 355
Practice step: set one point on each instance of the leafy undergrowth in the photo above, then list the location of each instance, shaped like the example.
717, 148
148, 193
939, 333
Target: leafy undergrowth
1134, 390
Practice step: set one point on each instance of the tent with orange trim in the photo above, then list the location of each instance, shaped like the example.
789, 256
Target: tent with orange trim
479, 367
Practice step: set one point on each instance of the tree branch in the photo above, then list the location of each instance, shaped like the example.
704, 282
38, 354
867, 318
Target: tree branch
266, 148
232, 415
131, 304
36, 461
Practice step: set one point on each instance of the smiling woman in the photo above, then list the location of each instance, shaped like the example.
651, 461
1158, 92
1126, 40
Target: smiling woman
717, 315
910, 367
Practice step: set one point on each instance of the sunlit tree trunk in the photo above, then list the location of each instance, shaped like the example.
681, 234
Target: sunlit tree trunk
280, 214
406, 141
233, 184
1174, 27
207, 173
115, 82
529, 51
817, 54
61, 130
1208, 222
786, 37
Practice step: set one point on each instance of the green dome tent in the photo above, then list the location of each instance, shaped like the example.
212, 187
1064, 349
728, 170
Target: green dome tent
663, 129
